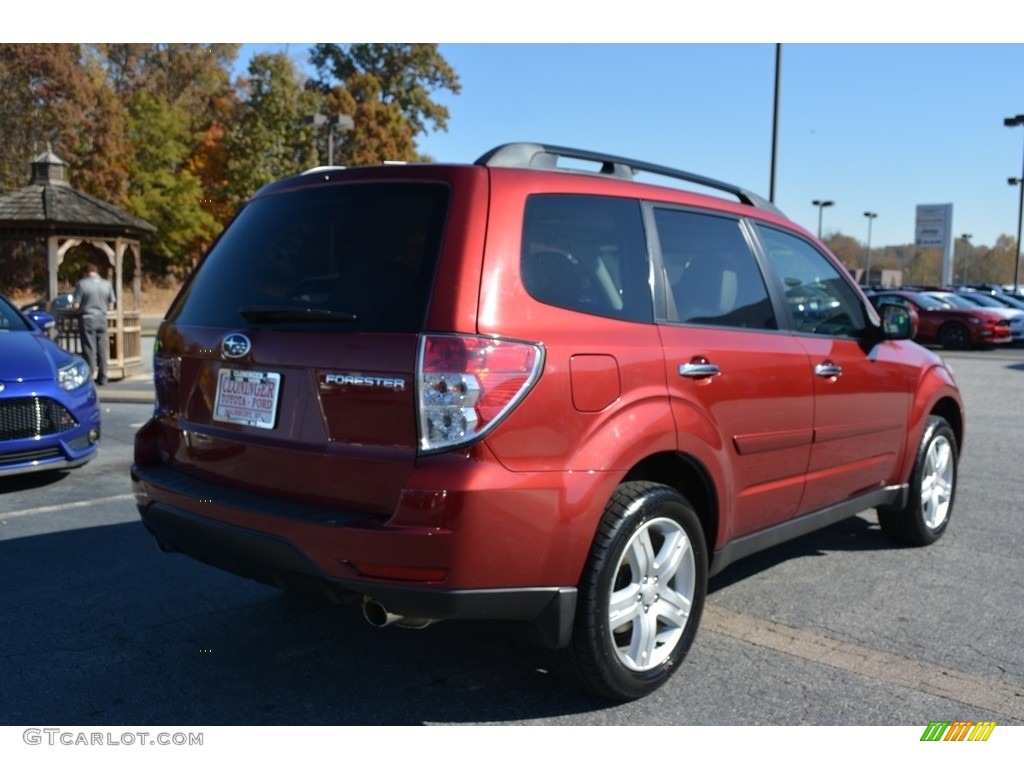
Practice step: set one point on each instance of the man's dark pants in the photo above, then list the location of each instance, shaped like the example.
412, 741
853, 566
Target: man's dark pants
95, 344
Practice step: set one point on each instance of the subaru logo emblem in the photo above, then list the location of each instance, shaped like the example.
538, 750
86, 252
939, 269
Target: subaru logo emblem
235, 345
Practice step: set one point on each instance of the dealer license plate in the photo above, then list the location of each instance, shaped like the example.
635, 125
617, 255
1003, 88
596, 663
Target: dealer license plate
247, 397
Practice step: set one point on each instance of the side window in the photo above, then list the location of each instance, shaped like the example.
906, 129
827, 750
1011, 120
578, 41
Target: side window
819, 299
710, 272
588, 254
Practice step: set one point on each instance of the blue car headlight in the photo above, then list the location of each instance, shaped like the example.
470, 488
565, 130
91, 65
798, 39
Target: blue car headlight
73, 375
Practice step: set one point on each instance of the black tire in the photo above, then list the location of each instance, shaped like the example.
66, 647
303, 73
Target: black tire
955, 336
641, 519
932, 489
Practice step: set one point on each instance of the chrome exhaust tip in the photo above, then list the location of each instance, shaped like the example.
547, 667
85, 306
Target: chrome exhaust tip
379, 616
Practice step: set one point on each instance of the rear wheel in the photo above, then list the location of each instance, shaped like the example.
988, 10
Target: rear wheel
641, 595
955, 336
932, 489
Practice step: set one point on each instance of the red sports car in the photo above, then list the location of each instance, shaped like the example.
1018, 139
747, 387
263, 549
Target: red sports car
952, 328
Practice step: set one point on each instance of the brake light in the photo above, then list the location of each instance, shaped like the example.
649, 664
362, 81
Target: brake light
467, 384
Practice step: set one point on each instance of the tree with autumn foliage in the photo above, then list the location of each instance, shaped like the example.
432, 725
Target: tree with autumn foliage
847, 249
56, 96
389, 90
139, 125
179, 99
161, 130
163, 189
992, 265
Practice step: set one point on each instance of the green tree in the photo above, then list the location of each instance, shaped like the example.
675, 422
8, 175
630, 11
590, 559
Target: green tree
389, 91
271, 137
194, 81
163, 190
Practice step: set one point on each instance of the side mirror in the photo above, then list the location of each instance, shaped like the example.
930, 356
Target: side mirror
897, 322
42, 320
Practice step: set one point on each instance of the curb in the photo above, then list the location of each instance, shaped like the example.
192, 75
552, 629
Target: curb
138, 389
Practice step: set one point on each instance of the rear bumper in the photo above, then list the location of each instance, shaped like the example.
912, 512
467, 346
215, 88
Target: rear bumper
274, 560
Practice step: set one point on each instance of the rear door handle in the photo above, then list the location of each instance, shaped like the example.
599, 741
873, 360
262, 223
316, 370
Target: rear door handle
701, 369
828, 370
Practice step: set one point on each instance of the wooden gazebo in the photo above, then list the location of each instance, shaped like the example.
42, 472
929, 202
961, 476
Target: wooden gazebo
49, 210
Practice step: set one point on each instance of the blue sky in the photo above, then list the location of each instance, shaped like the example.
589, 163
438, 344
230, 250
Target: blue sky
878, 126
873, 127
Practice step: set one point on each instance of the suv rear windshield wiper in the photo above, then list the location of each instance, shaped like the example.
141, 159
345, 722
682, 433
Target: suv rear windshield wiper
300, 314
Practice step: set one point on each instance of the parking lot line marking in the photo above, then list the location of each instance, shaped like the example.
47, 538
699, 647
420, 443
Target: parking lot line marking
999, 698
59, 507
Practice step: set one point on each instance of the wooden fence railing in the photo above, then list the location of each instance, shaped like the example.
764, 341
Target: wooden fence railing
125, 343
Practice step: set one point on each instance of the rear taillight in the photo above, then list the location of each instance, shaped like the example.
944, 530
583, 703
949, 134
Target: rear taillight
166, 375
467, 384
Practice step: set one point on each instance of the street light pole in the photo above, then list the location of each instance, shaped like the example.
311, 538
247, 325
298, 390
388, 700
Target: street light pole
1011, 122
822, 204
967, 244
338, 123
867, 271
775, 120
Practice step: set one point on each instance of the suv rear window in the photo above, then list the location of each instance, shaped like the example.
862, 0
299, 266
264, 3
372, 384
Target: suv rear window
587, 253
360, 256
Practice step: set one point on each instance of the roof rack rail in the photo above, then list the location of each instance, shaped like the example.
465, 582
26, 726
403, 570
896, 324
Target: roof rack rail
322, 169
530, 155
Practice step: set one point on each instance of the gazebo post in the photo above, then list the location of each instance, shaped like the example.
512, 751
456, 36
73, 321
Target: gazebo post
67, 324
136, 274
52, 262
117, 360
119, 306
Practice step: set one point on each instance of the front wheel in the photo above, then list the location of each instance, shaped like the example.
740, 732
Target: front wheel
641, 595
955, 336
932, 489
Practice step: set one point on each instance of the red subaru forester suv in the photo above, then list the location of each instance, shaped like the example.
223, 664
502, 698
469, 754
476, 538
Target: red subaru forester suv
516, 390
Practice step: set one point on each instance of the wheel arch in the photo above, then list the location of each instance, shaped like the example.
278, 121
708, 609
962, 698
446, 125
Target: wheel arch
937, 395
689, 477
950, 410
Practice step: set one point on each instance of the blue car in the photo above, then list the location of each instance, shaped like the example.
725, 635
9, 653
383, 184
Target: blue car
49, 411
44, 320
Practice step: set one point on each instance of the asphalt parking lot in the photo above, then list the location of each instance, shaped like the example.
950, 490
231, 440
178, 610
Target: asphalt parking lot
836, 628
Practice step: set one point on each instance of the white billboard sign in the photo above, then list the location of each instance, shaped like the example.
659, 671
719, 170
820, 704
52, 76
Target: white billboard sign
933, 228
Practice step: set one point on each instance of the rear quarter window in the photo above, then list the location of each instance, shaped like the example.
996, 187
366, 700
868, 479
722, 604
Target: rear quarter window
588, 254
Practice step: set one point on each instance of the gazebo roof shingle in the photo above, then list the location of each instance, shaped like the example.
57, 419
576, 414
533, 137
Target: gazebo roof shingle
48, 205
